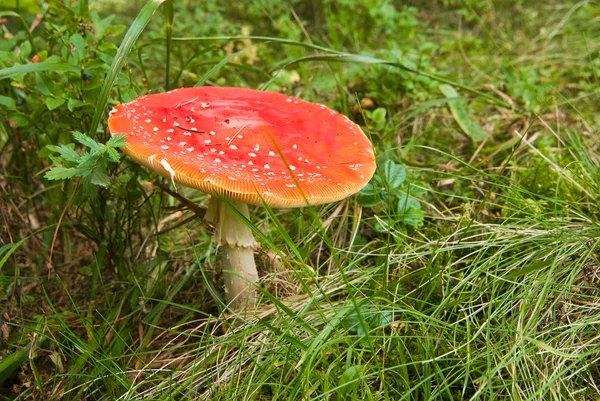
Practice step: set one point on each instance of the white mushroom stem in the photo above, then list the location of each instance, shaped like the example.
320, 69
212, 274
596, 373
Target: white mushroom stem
236, 244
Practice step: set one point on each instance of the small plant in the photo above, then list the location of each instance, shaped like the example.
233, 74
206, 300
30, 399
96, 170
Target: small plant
390, 187
90, 166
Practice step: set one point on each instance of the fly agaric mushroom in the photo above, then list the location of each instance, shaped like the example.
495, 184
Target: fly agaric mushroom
250, 147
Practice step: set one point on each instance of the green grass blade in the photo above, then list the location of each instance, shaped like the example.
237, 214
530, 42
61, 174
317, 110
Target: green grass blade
11, 363
134, 32
10, 72
169, 33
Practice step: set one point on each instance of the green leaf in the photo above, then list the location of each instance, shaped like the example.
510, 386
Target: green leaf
462, 114
8, 102
42, 85
134, 32
18, 120
86, 140
53, 103
349, 381
65, 151
61, 173
25, 49
99, 177
79, 46
118, 141
378, 114
407, 202
72, 104
394, 173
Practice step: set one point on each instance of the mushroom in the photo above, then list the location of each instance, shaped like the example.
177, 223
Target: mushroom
249, 147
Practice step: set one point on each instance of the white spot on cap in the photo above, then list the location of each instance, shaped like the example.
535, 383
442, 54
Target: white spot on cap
147, 120
292, 168
207, 141
294, 146
191, 149
256, 147
217, 160
267, 166
252, 154
204, 105
212, 133
165, 147
155, 129
271, 153
233, 147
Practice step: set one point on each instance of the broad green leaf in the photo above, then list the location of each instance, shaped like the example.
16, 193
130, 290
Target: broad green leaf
407, 202
8, 102
394, 173
79, 46
18, 120
53, 102
72, 104
462, 114
25, 50
42, 85
349, 381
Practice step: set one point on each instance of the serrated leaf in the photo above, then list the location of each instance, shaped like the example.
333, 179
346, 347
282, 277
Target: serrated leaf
99, 177
462, 114
53, 103
113, 155
86, 141
394, 173
61, 173
65, 151
117, 141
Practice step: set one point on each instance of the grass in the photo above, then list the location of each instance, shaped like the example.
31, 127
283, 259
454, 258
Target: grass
468, 270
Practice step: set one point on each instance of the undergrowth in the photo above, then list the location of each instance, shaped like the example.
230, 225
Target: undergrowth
467, 269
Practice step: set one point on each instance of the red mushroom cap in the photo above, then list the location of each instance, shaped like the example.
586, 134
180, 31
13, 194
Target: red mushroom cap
250, 146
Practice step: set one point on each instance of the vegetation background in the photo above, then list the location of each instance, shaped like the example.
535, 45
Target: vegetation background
467, 269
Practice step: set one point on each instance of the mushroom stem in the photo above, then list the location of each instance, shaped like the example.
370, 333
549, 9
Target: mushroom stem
236, 244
